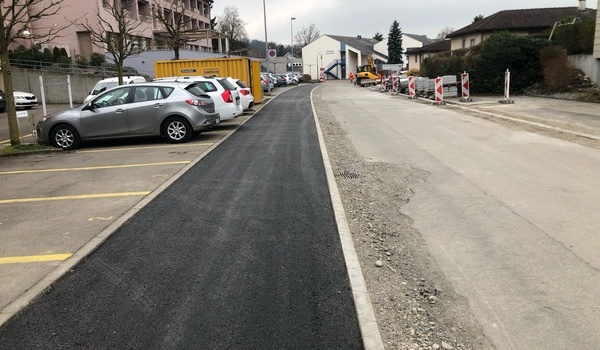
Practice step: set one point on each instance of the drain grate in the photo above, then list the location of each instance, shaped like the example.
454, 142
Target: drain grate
349, 175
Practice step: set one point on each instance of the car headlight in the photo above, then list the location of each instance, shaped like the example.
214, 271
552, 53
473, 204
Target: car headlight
46, 117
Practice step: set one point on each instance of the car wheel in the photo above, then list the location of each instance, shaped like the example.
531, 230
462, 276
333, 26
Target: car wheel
65, 137
177, 130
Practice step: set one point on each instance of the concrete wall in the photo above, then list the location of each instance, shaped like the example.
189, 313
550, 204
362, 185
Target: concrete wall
588, 64
55, 85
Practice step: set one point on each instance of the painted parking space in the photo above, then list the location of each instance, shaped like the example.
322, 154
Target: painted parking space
52, 204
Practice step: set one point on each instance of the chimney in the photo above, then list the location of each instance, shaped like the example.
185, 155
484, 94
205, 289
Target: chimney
582, 5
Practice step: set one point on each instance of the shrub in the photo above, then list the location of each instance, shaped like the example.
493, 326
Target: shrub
97, 59
576, 38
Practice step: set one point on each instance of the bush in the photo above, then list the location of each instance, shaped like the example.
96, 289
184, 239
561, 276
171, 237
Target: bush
576, 38
502, 51
97, 59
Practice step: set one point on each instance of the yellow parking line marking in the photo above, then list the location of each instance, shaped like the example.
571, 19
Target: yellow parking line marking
81, 196
151, 147
34, 258
91, 168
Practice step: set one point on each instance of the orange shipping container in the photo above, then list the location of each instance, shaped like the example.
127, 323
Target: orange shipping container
243, 68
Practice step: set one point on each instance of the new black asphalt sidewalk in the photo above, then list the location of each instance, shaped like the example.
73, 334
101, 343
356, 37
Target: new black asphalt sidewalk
241, 252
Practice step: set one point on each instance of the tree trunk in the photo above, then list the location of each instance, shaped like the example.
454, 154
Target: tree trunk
11, 113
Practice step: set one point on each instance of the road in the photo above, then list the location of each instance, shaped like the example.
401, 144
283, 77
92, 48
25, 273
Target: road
241, 252
511, 217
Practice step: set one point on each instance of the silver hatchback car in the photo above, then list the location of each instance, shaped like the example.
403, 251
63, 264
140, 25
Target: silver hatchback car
171, 110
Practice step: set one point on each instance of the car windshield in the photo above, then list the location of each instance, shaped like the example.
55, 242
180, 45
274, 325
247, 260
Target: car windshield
101, 87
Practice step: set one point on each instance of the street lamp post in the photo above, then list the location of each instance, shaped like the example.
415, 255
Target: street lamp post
267, 50
292, 41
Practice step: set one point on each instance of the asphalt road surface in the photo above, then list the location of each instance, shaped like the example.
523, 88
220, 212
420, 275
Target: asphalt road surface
242, 252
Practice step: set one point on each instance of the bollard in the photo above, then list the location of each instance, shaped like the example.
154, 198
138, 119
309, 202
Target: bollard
439, 91
411, 87
506, 99
466, 94
383, 86
395, 84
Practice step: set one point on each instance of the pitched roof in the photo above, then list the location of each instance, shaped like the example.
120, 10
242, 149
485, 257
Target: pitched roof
437, 46
422, 38
365, 45
526, 19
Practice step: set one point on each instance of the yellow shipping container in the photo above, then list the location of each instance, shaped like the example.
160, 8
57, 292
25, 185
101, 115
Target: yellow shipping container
245, 69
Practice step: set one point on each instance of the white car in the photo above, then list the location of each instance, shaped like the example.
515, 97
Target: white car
225, 95
245, 93
24, 100
110, 83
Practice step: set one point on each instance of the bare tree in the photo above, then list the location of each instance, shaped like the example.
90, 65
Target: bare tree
174, 21
445, 31
16, 20
307, 35
116, 33
231, 24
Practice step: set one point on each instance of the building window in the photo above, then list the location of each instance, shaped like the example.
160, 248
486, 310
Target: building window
464, 43
472, 42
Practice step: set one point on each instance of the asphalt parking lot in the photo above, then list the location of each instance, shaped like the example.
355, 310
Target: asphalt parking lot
55, 203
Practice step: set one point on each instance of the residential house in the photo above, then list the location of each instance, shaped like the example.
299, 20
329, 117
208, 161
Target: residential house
532, 22
336, 56
416, 55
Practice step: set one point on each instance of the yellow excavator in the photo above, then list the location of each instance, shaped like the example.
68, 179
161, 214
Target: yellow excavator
367, 74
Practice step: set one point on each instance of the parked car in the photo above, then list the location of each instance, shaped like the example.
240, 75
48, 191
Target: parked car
109, 83
245, 93
280, 80
168, 109
225, 95
24, 100
297, 75
263, 82
2, 101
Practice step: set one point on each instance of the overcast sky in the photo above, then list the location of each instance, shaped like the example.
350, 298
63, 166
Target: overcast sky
354, 17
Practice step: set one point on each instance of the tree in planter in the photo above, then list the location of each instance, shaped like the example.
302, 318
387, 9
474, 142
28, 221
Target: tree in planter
16, 16
116, 33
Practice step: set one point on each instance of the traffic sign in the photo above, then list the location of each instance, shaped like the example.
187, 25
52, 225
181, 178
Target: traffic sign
272, 54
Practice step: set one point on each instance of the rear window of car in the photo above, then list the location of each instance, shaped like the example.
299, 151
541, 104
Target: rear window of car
207, 86
195, 90
241, 84
226, 84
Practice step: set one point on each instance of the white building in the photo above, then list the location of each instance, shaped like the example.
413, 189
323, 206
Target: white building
409, 41
336, 56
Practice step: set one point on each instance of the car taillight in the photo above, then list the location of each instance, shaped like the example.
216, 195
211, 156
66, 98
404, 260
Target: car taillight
227, 96
244, 92
197, 103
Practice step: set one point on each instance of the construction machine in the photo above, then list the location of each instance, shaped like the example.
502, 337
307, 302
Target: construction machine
367, 74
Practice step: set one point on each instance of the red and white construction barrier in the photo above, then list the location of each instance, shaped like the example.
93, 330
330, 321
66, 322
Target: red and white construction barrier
506, 88
322, 77
411, 87
395, 84
464, 83
383, 84
439, 91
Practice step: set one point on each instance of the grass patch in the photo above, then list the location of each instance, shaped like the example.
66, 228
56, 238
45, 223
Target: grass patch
24, 148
